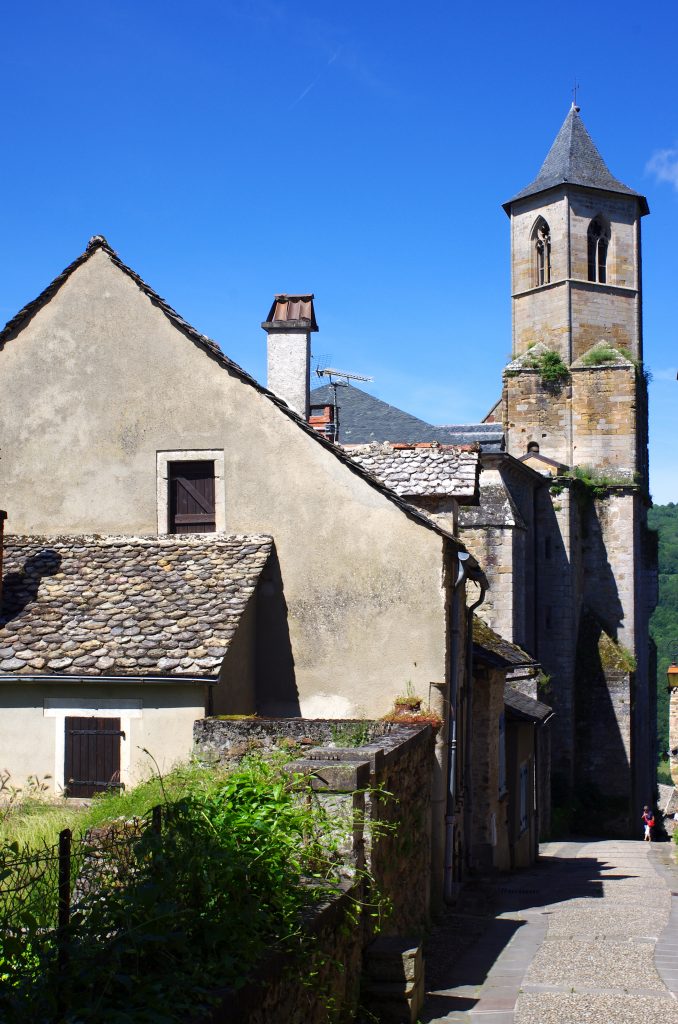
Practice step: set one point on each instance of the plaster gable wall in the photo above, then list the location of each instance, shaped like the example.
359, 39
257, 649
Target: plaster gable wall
99, 381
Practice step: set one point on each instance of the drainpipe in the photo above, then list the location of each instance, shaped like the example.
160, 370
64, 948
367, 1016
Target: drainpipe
450, 886
468, 759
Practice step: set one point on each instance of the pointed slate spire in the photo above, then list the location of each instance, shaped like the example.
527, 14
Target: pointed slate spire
574, 160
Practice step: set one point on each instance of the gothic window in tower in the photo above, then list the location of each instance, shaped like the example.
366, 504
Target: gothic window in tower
541, 241
598, 245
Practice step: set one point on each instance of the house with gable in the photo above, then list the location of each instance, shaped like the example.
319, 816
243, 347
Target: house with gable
180, 541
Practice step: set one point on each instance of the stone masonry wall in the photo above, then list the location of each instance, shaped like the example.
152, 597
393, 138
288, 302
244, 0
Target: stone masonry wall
490, 825
400, 766
334, 955
604, 418
533, 412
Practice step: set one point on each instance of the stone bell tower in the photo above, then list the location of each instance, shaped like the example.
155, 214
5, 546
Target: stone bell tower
575, 407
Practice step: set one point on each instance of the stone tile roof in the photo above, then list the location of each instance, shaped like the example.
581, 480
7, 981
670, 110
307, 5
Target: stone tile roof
502, 651
99, 243
526, 707
292, 310
574, 160
125, 606
363, 419
424, 469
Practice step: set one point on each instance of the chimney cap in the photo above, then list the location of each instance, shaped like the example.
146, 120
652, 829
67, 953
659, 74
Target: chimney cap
291, 312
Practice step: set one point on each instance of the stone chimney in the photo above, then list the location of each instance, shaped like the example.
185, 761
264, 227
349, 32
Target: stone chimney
289, 325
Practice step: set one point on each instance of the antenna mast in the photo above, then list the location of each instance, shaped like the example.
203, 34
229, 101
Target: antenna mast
332, 372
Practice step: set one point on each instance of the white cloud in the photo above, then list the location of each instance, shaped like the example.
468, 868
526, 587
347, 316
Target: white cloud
669, 374
664, 166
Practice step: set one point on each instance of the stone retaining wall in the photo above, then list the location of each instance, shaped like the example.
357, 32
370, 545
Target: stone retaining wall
382, 789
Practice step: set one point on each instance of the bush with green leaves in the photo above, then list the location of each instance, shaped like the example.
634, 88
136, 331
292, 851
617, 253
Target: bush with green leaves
188, 908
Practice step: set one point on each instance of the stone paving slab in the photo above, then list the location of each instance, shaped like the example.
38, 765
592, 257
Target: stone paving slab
600, 961
590, 934
573, 1008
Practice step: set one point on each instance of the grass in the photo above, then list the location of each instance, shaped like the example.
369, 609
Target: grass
603, 353
664, 772
37, 821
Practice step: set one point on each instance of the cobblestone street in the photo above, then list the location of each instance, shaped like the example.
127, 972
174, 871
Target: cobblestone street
589, 934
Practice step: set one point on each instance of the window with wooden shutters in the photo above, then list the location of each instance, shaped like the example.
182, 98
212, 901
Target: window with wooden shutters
92, 756
191, 497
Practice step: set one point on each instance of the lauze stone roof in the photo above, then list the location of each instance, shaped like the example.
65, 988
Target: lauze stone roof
422, 470
125, 606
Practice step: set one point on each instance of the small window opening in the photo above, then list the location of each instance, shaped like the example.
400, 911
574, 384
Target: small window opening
533, 446
191, 497
598, 245
541, 240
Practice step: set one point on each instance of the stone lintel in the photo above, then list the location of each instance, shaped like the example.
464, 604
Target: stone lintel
332, 776
373, 752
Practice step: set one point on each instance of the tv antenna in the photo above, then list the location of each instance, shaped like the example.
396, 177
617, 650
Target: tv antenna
339, 379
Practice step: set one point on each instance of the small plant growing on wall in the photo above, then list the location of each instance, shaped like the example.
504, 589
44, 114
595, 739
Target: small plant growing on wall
408, 700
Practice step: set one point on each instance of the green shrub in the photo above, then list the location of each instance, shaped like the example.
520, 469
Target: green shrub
551, 368
180, 911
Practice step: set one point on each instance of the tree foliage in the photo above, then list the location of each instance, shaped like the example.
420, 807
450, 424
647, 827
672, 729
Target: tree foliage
664, 622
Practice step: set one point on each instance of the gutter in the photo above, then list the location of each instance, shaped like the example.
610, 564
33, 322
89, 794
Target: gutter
468, 742
22, 677
468, 569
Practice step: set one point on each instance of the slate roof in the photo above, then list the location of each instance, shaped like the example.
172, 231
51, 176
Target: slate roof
125, 606
574, 160
501, 651
426, 469
363, 418
526, 707
98, 242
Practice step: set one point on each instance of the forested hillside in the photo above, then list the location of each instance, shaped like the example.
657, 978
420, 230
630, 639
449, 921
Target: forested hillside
664, 622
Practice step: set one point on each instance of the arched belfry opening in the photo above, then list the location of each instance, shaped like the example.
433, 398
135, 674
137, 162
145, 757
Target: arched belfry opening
598, 238
541, 247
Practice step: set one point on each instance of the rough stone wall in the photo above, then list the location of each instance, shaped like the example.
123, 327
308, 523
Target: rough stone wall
494, 549
490, 824
557, 602
603, 408
533, 412
401, 765
571, 314
334, 955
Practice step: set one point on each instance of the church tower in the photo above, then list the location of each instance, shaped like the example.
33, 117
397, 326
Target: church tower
574, 407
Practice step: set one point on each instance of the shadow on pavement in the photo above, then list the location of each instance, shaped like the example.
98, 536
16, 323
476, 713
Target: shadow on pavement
468, 940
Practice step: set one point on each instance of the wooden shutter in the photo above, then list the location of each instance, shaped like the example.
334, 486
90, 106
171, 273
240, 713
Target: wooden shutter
191, 503
92, 760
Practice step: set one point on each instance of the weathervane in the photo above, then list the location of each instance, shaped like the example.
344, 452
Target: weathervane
575, 89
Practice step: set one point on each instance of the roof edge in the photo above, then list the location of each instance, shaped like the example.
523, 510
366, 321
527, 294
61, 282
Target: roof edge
99, 243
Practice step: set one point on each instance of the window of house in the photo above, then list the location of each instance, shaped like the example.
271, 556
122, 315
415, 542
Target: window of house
598, 238
524, 795
541, 242
502, 755
190, 491
533, 447
191, 497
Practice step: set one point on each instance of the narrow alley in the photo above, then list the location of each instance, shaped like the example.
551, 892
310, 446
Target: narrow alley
589, 934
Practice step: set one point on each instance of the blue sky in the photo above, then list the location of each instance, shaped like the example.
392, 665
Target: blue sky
231, 150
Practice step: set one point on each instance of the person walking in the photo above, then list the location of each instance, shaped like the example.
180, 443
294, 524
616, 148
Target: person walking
648, 822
